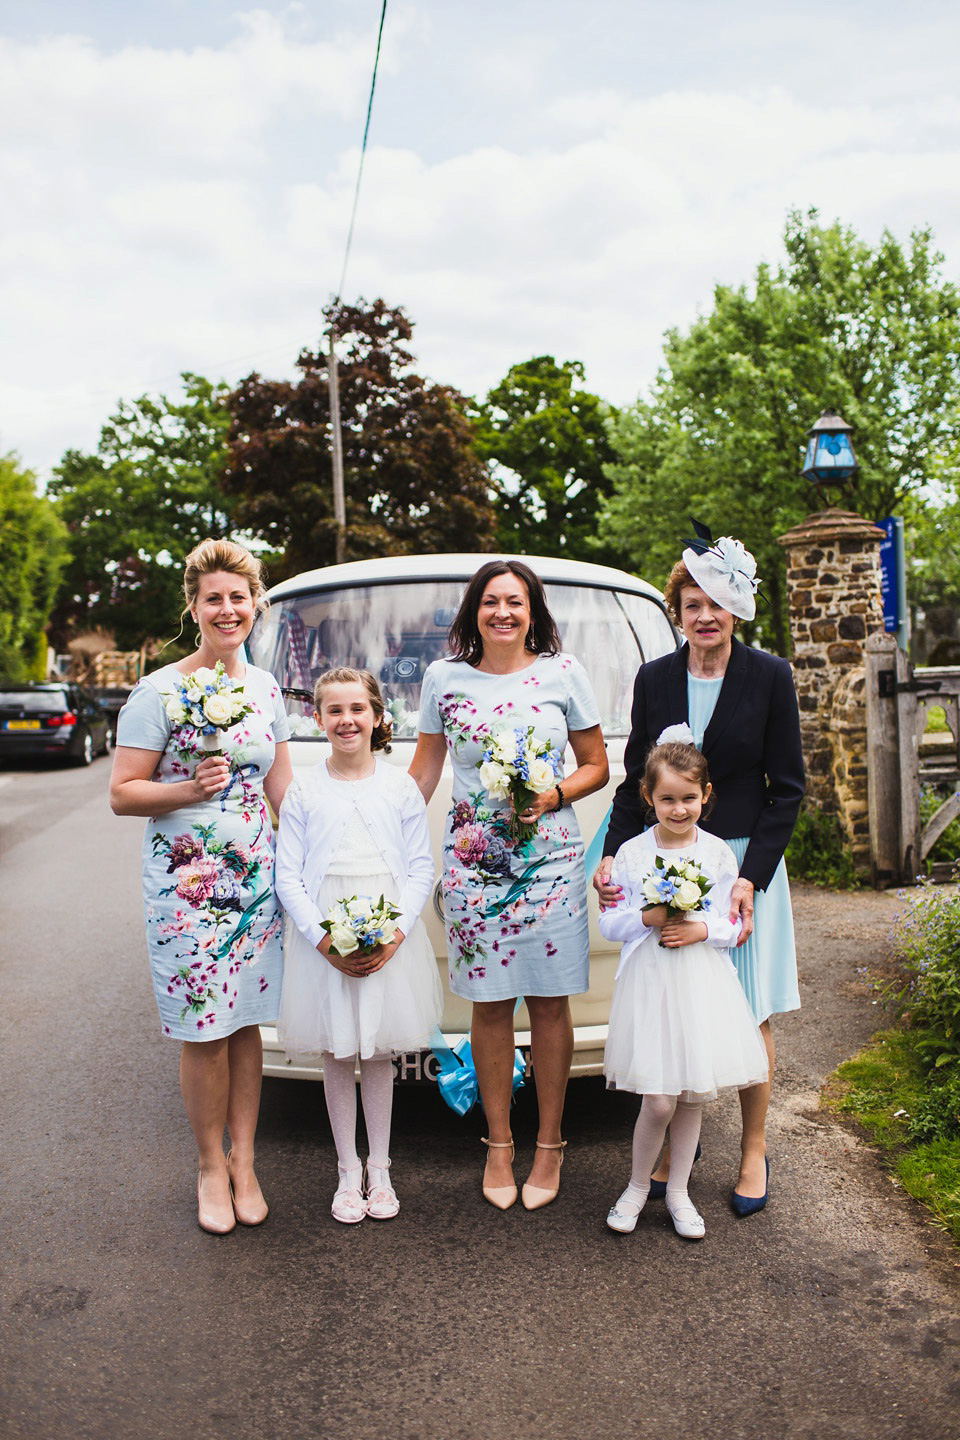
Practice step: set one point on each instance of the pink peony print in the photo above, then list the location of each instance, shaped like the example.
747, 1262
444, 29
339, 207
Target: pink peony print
469, 844
195, 881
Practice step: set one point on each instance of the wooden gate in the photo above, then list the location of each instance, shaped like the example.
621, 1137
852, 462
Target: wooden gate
902, 759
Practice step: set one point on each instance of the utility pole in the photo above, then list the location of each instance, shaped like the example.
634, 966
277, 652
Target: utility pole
339, 502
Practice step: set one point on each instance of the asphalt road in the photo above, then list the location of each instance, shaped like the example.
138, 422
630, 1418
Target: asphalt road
832, 1314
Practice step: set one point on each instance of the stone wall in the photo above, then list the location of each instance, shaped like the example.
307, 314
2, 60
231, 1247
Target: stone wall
833, 582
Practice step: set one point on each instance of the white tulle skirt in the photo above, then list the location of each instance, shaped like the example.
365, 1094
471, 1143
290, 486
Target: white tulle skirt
680, 1025
323, 1009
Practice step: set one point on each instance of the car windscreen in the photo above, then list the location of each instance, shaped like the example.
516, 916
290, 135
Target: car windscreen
396, 630
37, 702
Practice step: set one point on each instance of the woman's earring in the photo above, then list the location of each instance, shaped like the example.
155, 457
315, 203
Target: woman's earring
531, 639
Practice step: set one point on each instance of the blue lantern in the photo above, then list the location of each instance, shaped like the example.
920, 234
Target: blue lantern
829, 459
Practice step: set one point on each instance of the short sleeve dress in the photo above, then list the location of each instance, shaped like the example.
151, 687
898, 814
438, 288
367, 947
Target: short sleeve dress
516, 912
214, 925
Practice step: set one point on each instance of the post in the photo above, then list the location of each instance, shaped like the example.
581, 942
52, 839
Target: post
339, 502
909, 746
883, 759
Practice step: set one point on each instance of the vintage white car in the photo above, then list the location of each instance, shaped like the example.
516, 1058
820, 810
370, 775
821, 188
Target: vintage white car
391, 617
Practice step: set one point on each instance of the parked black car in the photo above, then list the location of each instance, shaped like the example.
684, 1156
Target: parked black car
60, 718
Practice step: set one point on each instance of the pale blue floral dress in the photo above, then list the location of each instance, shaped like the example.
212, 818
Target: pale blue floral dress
516, 912
214, 924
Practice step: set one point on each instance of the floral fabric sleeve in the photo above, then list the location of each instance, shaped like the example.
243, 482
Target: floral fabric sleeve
143, 723
581, 707
430, 721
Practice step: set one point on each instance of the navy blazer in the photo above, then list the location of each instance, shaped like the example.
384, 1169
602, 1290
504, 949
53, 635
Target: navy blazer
752, 747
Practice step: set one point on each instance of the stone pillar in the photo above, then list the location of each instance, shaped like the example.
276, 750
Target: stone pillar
833, 583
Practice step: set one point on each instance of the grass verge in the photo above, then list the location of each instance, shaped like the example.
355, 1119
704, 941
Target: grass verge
881, 1090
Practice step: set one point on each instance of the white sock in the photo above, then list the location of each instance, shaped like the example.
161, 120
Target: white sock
340, 1093
376, 1092
684, 1134
656, 1113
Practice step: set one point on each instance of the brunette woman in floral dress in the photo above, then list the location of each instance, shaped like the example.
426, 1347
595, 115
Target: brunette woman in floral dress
516, 909
214, 925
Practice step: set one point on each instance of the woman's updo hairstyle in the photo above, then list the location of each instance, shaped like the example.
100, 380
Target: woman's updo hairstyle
686, 760
542, 638
383, 721
211, 556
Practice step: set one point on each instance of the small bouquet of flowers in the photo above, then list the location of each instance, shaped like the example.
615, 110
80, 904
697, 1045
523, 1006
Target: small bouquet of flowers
360, 923
680, 885
207, 701
517, 766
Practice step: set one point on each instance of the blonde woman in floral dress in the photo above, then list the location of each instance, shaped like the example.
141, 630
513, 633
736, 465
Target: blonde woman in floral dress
516, 908
214, 925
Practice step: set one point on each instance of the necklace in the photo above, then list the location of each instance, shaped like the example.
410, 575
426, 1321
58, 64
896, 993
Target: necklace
658, 837
352, 778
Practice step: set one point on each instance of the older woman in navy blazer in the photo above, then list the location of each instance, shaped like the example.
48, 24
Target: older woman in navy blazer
742, 707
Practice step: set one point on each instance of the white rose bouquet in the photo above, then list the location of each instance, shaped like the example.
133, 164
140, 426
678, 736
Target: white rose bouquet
681, 886
360, 923
517, 766
207, 701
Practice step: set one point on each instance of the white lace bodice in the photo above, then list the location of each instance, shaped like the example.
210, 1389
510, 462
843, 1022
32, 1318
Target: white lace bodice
358, 852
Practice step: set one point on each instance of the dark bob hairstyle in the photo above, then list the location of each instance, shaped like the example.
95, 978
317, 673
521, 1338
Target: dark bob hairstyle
464, 636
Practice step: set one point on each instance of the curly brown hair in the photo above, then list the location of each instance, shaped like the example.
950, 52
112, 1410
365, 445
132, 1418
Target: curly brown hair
343, 675
678, 578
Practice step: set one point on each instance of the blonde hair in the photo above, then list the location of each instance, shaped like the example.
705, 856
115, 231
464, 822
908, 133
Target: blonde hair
343, 675
212, 555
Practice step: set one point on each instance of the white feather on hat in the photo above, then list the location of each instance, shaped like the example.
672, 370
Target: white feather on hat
727, 572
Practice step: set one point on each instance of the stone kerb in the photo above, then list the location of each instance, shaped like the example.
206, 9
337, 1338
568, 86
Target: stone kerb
833, 583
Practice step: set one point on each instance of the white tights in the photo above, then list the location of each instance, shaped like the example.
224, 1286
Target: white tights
376, 1094
657, 1113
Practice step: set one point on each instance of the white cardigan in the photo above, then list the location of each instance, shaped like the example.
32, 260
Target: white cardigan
313, 817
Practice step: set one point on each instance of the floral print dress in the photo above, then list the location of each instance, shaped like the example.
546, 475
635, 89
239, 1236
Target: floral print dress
214, 925
516, 911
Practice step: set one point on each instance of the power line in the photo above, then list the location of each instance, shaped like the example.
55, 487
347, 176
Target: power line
363, 152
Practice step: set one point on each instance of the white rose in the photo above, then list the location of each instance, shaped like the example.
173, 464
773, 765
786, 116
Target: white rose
358, 908
690, 871
176, 711
203, 677
687, 896
343, 939
218, 709
505, 747
541, 776
494, 780
650, 892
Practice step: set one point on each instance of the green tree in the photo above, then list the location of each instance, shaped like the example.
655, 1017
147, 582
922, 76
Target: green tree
547, 438
33, 544
413, 483
873, 332
136, 507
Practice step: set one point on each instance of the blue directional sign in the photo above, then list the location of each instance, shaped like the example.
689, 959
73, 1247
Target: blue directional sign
893, 579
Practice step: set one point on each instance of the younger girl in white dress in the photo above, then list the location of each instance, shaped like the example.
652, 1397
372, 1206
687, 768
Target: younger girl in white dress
356, 825
680, 1025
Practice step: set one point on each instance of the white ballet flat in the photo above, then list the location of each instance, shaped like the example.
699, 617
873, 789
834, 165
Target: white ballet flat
623, 1216
687, 1220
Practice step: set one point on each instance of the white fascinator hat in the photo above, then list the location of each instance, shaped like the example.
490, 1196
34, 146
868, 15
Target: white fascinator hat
725, 571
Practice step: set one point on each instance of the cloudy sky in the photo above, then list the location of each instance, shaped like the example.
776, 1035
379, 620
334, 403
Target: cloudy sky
544, 176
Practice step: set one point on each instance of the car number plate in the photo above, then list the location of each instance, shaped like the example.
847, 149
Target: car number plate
414, 1065
21, 724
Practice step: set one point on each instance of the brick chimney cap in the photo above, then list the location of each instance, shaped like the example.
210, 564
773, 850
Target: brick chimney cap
832, 525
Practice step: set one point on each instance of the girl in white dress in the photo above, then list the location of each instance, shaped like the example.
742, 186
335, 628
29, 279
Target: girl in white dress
356, 826
680, 1025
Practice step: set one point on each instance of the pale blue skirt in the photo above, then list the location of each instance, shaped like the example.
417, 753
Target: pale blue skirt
767, 963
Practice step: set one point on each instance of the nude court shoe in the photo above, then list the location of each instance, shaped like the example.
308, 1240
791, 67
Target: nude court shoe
534, 1196
502, 1196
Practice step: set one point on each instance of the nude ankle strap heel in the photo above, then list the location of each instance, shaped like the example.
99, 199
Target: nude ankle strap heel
534, 1197
501, 1196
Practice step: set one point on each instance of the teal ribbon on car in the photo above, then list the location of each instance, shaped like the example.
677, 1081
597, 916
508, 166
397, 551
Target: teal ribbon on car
457, 1073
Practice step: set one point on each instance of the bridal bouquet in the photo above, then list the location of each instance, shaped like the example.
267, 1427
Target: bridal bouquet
360, 923
680, 885
207, 701
517, 766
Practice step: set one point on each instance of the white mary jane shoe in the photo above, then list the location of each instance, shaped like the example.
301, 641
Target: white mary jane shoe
687, 1220
623, 1216
381, 1201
